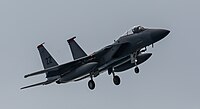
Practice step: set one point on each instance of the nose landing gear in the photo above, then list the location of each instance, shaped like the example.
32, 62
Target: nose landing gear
134, 60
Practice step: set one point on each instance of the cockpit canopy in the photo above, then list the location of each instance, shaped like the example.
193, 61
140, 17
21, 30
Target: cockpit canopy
134, 30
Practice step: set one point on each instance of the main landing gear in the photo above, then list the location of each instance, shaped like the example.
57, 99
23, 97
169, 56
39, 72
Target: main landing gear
136, 69
116, 79
91, 83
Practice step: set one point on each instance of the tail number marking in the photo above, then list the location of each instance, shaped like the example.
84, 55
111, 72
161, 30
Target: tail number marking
48, 60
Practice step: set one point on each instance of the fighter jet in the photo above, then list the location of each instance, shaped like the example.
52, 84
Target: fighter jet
124, 53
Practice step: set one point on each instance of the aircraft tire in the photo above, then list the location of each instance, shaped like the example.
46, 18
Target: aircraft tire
91, 84
137, 70
116, 80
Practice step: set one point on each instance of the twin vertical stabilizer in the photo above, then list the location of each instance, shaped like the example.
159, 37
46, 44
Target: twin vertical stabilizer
47, 60
77, 51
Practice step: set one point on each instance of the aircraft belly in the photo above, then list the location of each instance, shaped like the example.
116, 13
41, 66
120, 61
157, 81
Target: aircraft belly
112, 63
127, 65
79, 72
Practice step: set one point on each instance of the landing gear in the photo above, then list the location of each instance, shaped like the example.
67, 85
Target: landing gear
116, 80
91, 84
137, 70
134, 60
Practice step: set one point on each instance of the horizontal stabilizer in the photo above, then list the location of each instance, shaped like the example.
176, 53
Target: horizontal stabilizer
42, 83
55, 68
38, 84
36, 73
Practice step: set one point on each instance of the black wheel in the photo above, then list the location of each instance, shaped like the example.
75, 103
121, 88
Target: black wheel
116, 80
91, 84
137, 70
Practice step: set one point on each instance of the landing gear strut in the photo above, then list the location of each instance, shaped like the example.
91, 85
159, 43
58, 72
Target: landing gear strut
116, 79
134, 60
91, 83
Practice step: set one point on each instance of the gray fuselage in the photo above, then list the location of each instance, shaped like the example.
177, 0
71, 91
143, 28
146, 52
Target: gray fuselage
128, 44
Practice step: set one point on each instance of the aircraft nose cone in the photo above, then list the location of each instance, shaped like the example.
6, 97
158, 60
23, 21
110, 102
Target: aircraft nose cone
159, 34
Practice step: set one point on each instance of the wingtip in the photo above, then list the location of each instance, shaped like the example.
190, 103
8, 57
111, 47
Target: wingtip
71, 39
41, 45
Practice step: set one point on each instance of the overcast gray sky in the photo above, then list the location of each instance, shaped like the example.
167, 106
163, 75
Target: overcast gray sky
168, 80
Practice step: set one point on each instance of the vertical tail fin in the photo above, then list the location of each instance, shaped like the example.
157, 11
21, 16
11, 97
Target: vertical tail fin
47, 60
77, 51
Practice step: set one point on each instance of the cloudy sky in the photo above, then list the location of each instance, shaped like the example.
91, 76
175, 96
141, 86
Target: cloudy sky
168, 80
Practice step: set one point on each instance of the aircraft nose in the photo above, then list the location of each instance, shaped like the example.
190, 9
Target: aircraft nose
158, 34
